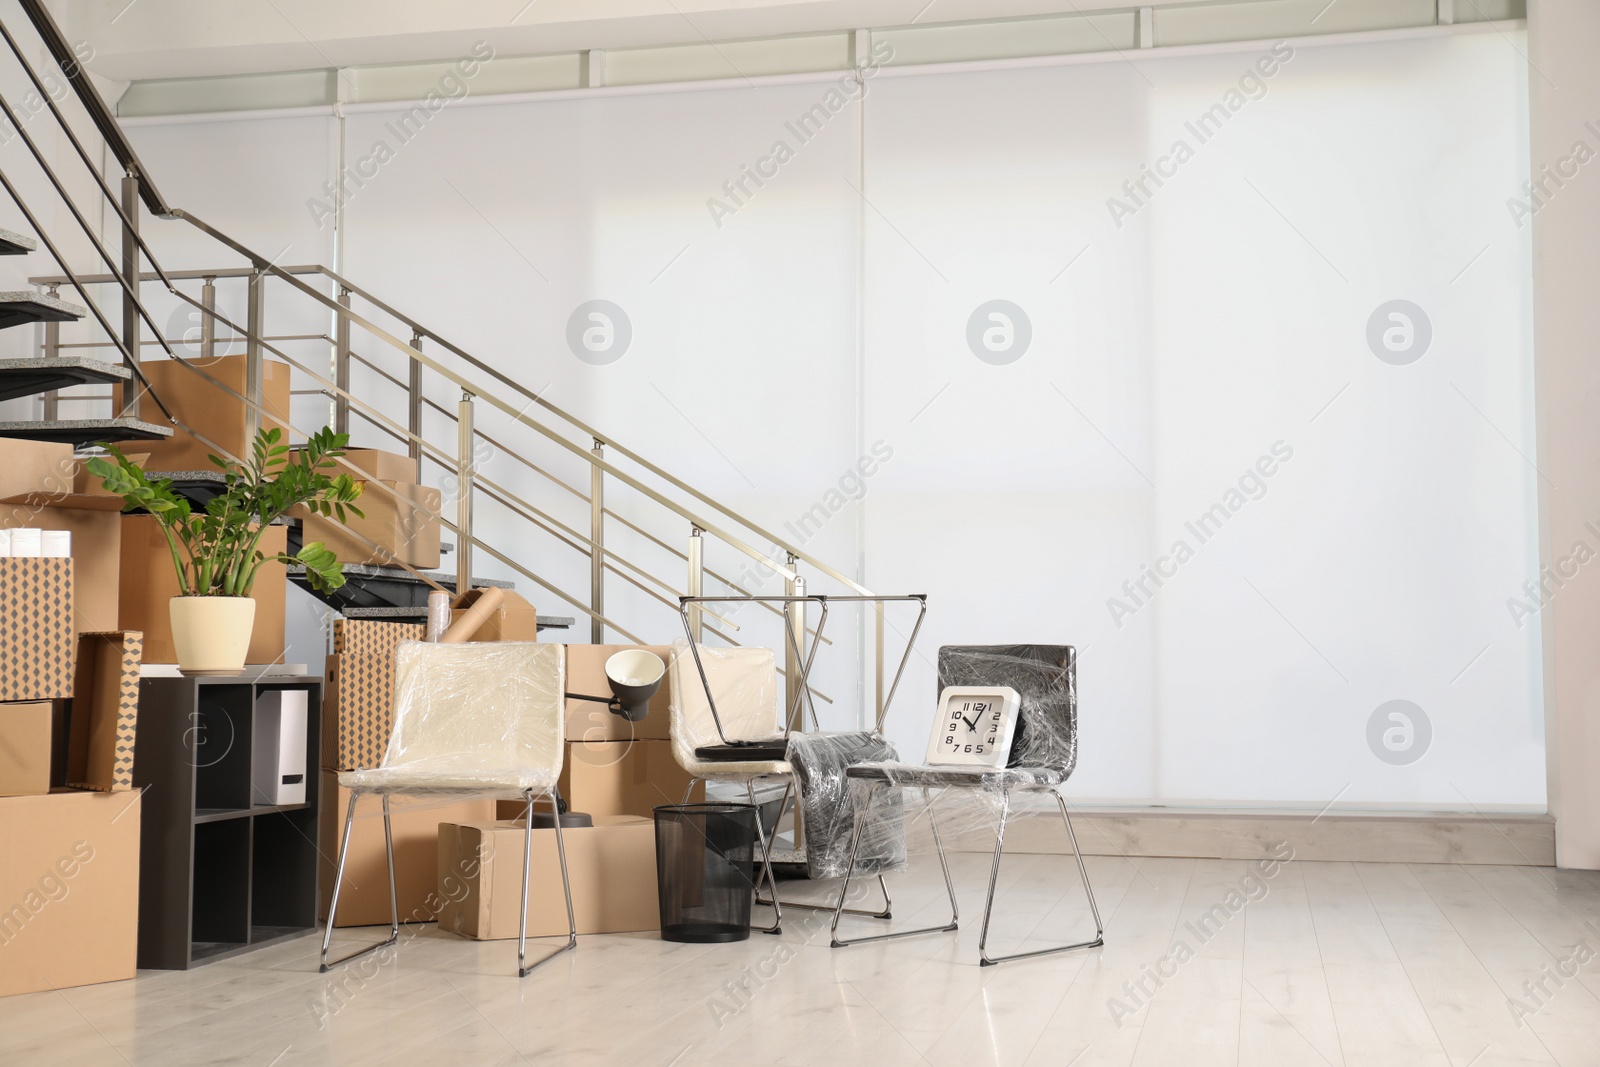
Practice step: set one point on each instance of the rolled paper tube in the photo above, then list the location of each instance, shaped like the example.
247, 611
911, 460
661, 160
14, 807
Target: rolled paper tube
489, 599
438, 614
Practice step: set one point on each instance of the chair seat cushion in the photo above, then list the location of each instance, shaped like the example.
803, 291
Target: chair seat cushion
971, 777
745, 752
751, 769
407, 780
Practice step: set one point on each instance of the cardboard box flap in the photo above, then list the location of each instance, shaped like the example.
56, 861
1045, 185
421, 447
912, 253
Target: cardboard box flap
105, 711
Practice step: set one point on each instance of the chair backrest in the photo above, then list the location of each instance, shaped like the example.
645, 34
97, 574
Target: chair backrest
1046, 676
490, 711
744, 682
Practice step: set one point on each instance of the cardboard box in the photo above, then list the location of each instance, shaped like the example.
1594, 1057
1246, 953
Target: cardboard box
514, 620
69, 890
148, 582
96, 554
105, 711
384, 466
358, 705
590, 721
611, 867
364, 899
400, 520
30, 469
37, 650
211, 411
25, 733
623, 777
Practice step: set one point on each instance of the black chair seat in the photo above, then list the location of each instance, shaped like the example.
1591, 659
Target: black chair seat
745, 752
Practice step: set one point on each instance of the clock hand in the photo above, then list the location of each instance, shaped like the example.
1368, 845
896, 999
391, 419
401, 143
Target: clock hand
972, 724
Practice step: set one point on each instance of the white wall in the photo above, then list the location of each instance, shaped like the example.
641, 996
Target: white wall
1227, 314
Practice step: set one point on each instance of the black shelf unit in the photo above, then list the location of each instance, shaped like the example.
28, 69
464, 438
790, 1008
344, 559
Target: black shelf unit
218, 875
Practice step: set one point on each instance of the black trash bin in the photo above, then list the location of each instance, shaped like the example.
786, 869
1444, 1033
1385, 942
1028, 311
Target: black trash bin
706, 857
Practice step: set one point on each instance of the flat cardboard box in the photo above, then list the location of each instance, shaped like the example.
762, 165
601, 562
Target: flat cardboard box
96, 555
514, 620
33, 468
364, 898
25, 734
358, 705
619, 778
400, 520
37, 649
610, 865
105, 711
211, 411
148, 583
69, 890
384, 466
591, 721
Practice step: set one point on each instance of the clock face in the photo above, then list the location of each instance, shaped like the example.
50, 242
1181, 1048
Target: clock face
974, 726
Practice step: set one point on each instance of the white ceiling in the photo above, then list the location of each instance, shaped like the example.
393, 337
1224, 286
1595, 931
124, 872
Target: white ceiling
145, 39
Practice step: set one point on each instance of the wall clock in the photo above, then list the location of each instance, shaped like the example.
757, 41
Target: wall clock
974, 726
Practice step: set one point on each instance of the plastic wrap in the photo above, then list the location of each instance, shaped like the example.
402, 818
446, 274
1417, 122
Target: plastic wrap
828, 804
482, 717
966, 804
744, 682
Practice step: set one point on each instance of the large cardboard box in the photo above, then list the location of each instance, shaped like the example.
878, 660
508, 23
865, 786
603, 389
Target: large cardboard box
384, 466
399, 524
69, 890
514, 620
37, 649
364, 898
591, 721
623, 777
96, 555
358, 705
31, 469
610, 865
211, 411
25, 732
105, 711
148, 582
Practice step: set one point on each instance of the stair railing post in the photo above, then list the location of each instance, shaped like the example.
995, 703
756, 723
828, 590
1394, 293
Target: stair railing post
52, 349
793, 666
697, 578
341, 364
597, 535
208, 324
414, 412
464, 478
130, 272
255, 327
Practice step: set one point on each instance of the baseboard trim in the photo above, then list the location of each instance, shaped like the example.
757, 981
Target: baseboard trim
1492, 838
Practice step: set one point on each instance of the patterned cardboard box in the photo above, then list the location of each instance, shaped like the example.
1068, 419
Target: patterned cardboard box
36, 628
105, 711
358, 710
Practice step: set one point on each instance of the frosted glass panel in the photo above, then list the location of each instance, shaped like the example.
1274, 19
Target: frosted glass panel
1260, 527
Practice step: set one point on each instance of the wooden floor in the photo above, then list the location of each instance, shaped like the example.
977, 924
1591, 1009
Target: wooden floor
1322, 963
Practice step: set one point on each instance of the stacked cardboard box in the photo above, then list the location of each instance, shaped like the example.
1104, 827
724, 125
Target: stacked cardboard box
214, 412
513, 620
400, 518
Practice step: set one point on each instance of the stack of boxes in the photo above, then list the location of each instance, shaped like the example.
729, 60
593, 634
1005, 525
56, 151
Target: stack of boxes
400, 523
69, 819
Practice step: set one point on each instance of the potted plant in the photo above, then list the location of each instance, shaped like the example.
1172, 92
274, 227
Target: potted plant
216, 550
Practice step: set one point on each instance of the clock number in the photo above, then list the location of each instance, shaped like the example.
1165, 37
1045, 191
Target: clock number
980, 748
950, 740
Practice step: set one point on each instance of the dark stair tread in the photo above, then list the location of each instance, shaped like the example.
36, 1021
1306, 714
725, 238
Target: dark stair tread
546, 622
27, 377
81, 432
26, 305
14, 244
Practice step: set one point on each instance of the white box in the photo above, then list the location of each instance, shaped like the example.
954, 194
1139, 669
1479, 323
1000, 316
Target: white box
278, 761
55, 543
27, 541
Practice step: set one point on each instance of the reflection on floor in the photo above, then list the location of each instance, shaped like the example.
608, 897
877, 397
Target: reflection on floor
1323, 963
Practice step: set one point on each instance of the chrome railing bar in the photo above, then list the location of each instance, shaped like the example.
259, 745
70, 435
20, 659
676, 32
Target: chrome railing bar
673, 603
520, 569
165, 341
178, 275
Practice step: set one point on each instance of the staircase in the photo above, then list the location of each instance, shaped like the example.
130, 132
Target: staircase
579, 518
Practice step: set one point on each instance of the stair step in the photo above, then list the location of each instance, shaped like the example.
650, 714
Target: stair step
14, 244
26, 377
27, 305
81, 432
546, 622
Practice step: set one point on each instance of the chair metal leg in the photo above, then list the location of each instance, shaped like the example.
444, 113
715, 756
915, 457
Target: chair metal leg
338, 883
844, 889
766, 853
984, 959
523, 969
888, 905
689, 792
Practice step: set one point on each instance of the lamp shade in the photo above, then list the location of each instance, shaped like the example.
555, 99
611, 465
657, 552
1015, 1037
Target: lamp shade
635, 674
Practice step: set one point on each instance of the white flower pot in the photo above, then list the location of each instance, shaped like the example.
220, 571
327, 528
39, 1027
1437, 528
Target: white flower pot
212, 633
